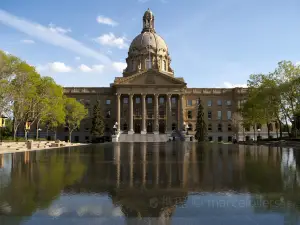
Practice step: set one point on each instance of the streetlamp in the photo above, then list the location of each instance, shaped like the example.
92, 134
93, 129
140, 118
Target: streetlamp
258, 133
2, 125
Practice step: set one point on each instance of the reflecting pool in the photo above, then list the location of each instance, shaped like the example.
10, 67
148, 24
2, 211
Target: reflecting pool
151, 183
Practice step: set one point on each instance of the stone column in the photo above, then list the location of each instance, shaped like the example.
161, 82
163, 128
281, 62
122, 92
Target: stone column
131, 114
156, 115
144, 114
180, 121
119, 111
169, 114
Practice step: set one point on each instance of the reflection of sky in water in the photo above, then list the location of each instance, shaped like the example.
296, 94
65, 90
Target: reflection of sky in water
78, 209
206, 208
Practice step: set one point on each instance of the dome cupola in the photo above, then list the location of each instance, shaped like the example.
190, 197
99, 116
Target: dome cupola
148, 50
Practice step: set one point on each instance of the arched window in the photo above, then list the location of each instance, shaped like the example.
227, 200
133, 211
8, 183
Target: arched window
164, 65
258, 126
148, 63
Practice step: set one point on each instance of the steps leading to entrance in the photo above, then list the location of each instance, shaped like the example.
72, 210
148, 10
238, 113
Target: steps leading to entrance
143, 138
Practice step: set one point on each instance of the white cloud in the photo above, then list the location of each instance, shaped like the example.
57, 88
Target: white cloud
231, 85
57, 29
77, 58
58, 67
119, 66
95, 68
27, 41
111, 40
47, 35
106, 21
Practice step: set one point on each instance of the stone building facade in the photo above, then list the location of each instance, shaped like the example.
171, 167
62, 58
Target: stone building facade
149, 98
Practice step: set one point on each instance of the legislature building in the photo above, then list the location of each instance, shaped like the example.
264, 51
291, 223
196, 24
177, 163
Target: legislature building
150, 99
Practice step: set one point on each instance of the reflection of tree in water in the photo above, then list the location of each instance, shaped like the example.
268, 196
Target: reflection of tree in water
274, 184
37, 179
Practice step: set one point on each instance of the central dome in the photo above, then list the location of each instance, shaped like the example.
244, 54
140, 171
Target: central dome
146, 40
148, 50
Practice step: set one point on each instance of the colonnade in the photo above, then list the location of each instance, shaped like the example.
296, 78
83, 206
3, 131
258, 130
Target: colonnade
179, 120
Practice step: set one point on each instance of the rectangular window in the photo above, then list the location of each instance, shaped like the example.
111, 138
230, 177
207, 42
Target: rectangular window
107, 101
220, 139
209, 115
219, 102
209, 103
189, 102
125, 100
210, 138
161, 100
190, 115
228, 102
137, 100
173, 101
229, 115
219, 115
149, 100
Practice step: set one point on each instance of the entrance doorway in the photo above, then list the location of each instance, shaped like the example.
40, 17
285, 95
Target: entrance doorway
162, 127
137, 127
150, 127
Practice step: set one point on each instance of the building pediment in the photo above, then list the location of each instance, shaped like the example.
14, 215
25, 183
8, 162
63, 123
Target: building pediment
150, 77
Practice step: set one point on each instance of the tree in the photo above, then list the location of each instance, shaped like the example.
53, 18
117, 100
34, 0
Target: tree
97, 122
8, 66
201, 128
75, 113
50, 104
23, 90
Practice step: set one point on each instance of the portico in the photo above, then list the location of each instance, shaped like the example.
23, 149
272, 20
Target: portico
148, 112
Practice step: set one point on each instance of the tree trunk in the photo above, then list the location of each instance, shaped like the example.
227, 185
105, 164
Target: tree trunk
70, 136
254, 133
280, 129
37, 129
55, 135
268, 129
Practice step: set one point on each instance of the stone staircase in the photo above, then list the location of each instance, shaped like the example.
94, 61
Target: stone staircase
143, 138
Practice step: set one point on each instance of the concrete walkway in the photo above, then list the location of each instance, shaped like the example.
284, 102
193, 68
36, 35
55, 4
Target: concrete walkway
11, 147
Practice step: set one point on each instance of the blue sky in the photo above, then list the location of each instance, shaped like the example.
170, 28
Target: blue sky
212, 43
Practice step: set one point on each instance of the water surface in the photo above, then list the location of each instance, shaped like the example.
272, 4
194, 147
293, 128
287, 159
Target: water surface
151, 183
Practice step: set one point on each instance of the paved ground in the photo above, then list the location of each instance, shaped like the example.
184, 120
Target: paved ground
11, 147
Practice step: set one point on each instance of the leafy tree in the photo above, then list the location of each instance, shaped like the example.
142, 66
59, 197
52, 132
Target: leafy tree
8, 66
23, 89
97, 122
75, 113
201, 128
50, 103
